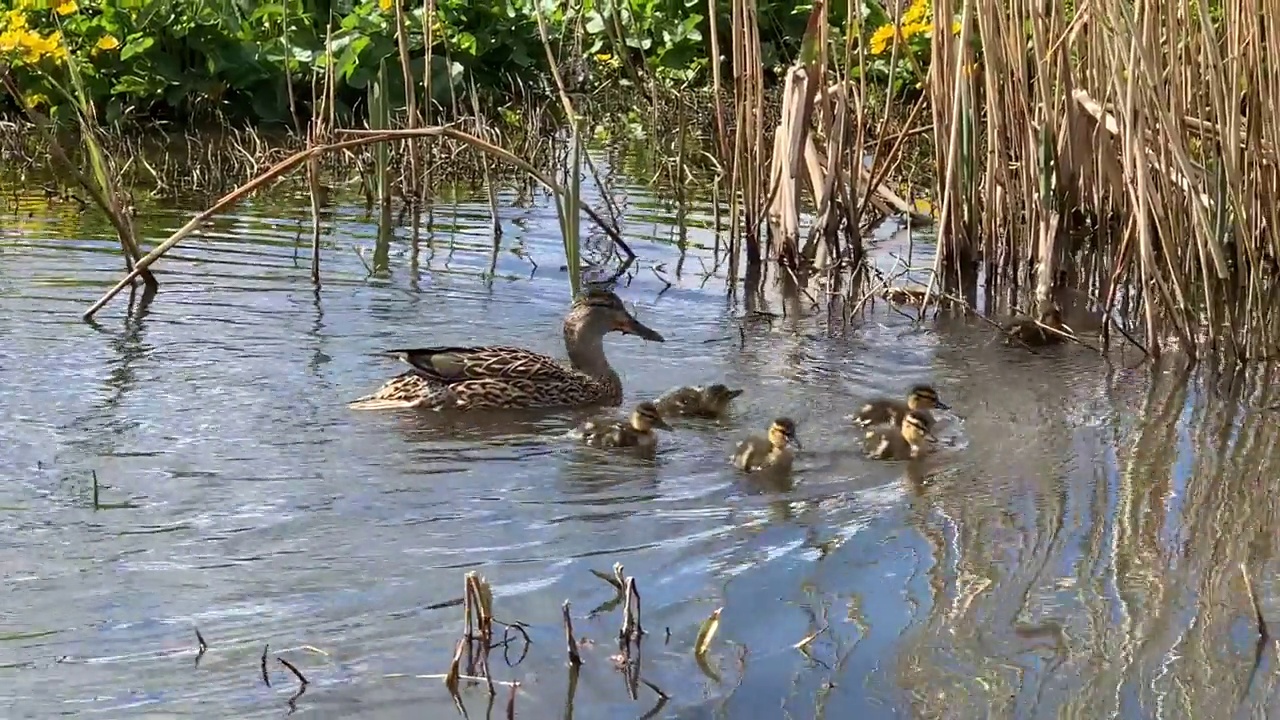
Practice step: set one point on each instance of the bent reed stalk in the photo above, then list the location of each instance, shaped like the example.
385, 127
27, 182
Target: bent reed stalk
363, 138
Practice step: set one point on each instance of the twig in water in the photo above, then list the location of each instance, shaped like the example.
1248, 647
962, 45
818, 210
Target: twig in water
616, 581
574, 658
631, 630
803, 645
506, 642
96, 504
511, 702
1264, 633
706, 633
666, 283
293, 669
265, 677
202, 646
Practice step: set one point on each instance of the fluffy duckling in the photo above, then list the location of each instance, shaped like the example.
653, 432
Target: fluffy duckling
911, 440
774, 451
635, 432
697, 401
888, 410
1026, 331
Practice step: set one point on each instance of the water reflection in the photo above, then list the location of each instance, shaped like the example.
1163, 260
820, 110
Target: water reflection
1073, 548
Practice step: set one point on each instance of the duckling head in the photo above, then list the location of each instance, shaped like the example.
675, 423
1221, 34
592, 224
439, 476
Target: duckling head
646, 417
925, 396
717, 397
917, 428
783, 433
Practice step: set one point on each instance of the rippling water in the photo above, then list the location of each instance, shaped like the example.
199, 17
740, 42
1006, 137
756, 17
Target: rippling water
1074, 552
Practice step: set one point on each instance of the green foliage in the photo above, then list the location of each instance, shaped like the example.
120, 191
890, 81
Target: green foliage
238, 59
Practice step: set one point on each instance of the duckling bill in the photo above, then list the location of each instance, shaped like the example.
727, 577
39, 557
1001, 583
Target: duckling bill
910, 440
883, 410
772, 451
636, 432
709, 402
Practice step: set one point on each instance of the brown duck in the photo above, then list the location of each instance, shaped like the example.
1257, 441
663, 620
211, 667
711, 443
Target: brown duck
499, 376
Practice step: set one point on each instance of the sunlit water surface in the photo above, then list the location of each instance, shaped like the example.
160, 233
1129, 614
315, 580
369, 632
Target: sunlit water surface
1073, 551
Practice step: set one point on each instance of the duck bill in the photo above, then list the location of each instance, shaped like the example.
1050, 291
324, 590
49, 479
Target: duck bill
733, 394
632, 326
795, 440
661, 424
941, 405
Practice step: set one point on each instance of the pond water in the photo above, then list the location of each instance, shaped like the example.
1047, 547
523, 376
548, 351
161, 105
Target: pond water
1073, 551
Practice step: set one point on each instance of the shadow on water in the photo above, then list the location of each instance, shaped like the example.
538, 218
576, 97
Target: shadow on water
1074, 548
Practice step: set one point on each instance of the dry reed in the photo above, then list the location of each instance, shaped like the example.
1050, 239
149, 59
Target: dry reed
1143, 134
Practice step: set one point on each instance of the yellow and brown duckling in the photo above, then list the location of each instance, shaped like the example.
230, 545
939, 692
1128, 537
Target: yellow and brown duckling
637, 431
711, 401
913, 439
883, 410
1026, 331
772, 452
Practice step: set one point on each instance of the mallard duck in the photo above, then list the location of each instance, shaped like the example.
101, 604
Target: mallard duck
1026, 331
636, 431
882, 410
496, 376
697, 401
912, 439
773, 451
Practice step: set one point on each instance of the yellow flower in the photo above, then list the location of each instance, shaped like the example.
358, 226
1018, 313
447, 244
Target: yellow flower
107, 42
955, 27
66, 7
918, 11
912, 29
385, 4
881, 38
15, 20
35, 99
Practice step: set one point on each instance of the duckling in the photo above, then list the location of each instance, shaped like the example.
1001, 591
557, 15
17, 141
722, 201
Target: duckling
911, 440
697, 401
887, 410
1026, 331
755, 452
635, 432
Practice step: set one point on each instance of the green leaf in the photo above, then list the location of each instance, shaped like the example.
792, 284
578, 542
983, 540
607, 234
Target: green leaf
136, 45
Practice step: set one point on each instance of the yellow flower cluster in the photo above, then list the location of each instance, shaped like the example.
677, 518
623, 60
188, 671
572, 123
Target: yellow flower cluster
18, 38
917, 20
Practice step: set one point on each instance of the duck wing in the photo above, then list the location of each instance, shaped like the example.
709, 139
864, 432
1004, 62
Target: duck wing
451, 365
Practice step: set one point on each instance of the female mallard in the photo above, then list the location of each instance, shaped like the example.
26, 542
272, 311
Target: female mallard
1028, 332
697, 401
635, 432
911, 440
888, 410
488, 377
774, 451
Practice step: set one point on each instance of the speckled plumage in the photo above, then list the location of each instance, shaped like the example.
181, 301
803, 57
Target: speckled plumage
634, 432
910, 440
508, 377
882, 410
772, 451
696, 401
